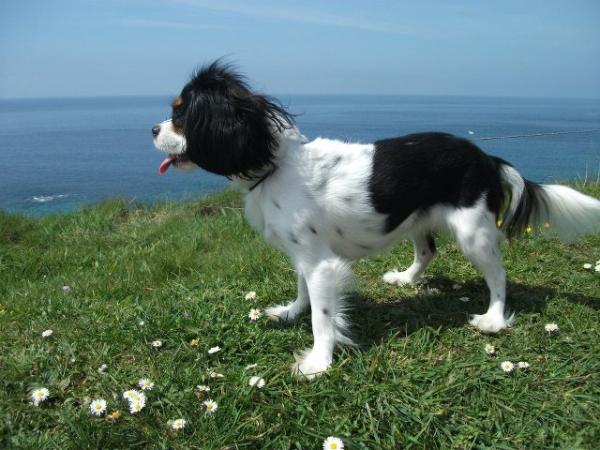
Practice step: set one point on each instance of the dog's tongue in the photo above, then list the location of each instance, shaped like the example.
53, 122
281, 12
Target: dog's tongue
165, 164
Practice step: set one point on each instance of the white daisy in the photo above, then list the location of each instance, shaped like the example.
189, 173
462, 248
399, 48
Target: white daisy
128, 394
490, 349
250, 296
333, 443
464, 299
47, 333
211, 406
145, 384
551, 327
137, 396
597, 268
141, 323
257, 381
251, 366
178, 424
432, 291
213, 350
136, 406
98, 407
203, 388
523, 365
587, 266
457, 287
157, 343
507, 366
39, 395
214, 374
102, 368
66, 288
254, 314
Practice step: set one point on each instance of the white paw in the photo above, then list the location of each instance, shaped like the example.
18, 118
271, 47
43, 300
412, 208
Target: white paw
280, 313
490, 323
311, 364
399, 278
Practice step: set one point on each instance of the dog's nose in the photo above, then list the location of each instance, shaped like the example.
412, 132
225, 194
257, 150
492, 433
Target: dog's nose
155, 130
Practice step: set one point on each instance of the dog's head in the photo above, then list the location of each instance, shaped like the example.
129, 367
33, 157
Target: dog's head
219, 124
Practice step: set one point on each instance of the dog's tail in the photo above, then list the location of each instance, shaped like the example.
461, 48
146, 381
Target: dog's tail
549, 207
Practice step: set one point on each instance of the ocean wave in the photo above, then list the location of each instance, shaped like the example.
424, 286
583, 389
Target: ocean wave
47, 198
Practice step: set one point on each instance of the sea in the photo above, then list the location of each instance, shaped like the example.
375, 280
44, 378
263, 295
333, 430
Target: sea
61, 154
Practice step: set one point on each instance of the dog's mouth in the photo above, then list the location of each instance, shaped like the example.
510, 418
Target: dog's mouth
172, 160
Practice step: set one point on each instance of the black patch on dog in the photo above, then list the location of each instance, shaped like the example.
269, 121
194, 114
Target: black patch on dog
431, 244
312, 229
293, 238
325, 311
339, 231
415, 172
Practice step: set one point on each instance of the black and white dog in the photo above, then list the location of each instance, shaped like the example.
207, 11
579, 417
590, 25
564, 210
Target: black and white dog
326, 203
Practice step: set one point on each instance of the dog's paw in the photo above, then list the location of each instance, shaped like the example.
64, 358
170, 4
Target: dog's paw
399, 278
491, 323
311, 364
280, 313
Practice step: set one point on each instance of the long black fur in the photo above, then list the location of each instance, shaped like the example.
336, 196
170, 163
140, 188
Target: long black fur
229, 130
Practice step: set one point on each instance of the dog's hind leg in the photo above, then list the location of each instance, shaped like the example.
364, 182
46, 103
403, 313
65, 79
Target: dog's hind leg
424, 245
291, 311
328, 281
478, 238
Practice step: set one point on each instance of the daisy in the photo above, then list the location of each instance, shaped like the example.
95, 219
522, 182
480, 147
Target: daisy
457, 287
490, 349
157, 343
250, 366
254, 314
145, 384
47, 333
211, 406
178, 424
113, 415
465, 299
507, 366
523, 365
202, 388
250, 296
587, 266
128, 394
333, 443
137, 396
141, 323
551, 327
136, 406
597, 268
102, 368
257, 381
98, 407
39, 395
213, 350
432, 291
214, 374
195, 342
66, 288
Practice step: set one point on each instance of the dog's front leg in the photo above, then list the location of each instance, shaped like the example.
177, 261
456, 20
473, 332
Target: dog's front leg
292, 310
328, 280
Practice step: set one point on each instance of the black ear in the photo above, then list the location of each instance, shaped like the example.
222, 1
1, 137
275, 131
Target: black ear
228, 129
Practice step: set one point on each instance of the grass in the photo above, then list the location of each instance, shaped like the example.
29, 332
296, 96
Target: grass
420, 379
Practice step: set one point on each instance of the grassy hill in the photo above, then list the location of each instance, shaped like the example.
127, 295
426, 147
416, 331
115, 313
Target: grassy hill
179, 273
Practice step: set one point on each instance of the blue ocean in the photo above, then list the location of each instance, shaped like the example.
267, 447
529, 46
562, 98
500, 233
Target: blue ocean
60, 154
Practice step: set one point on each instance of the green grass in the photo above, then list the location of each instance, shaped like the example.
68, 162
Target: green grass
420, 378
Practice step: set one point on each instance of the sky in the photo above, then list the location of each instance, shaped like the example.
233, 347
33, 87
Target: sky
72, 48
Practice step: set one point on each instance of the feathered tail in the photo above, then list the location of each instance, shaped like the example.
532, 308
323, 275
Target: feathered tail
552, 207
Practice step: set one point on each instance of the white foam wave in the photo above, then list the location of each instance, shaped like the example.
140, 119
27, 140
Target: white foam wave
47, 198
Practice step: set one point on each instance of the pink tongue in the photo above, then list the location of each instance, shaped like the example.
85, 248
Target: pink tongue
165, 164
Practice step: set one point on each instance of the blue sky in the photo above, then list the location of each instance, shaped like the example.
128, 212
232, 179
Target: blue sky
135, 47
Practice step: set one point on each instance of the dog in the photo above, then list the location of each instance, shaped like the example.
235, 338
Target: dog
326, 203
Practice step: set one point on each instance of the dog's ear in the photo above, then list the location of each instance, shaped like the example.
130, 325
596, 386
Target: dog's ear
228, 129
